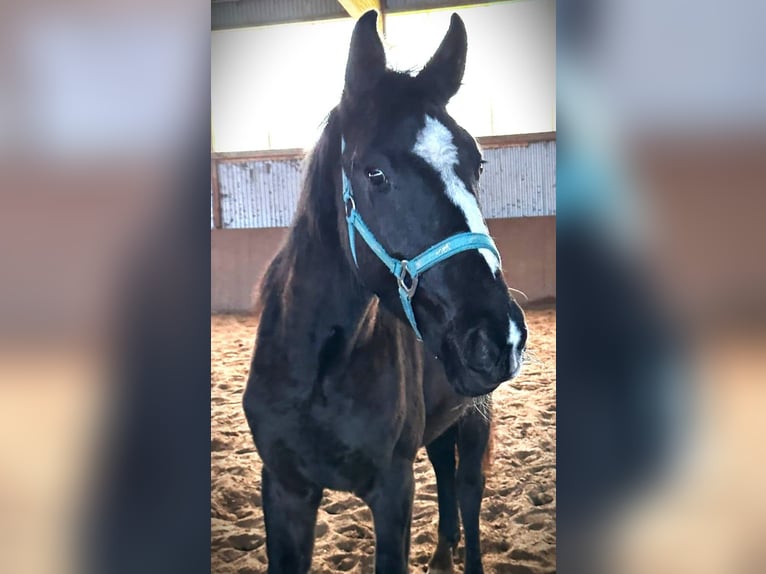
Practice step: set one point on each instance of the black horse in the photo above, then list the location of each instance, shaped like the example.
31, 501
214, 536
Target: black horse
341, 392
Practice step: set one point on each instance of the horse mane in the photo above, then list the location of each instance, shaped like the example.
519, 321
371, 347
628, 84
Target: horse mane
315, 216
317, 205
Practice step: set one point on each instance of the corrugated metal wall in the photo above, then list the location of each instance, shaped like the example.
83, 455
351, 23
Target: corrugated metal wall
518, 181
259, 193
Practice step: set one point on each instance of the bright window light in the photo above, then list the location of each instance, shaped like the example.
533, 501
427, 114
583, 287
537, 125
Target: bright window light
272, 86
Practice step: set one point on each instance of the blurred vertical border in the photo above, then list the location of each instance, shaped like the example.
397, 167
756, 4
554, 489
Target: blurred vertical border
104, 297
661, 282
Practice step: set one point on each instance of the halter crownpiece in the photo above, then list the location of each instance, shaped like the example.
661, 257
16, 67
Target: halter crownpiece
407, 271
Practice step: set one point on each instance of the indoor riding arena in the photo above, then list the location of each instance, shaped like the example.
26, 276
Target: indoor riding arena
269, 101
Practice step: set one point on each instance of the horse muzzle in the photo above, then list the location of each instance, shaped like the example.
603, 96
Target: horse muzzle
481, 359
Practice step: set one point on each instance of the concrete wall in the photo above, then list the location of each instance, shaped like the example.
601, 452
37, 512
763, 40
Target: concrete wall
240, 256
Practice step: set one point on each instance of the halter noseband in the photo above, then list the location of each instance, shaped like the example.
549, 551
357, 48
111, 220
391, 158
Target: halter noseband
407, 271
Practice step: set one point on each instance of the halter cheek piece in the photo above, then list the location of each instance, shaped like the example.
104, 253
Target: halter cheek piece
407, 271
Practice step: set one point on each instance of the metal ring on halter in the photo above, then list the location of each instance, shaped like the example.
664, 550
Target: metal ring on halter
352, 208
404, 271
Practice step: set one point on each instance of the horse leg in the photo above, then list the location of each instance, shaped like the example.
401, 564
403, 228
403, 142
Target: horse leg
390, 500
472, 443
441, 453
290, 519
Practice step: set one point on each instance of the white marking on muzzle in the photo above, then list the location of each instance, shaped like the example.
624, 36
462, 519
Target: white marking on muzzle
514, 335
436, 146
514, 340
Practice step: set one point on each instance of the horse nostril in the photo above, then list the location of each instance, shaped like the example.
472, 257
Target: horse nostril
482, 354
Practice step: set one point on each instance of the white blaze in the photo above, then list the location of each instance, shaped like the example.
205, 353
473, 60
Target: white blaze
436, 146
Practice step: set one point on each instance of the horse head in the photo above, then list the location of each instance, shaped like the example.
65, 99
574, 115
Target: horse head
409, 212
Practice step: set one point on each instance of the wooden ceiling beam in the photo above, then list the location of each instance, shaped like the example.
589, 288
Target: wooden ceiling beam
356, 8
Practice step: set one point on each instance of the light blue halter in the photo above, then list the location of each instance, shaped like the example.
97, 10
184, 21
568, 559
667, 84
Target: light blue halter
404, 268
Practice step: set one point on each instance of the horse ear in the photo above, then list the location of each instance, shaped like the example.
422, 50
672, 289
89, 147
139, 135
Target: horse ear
443, 73
366, 57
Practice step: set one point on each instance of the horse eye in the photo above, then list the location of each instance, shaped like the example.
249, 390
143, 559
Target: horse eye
376, 177
481, 166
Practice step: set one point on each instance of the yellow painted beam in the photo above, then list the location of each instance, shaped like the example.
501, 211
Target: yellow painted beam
356, 8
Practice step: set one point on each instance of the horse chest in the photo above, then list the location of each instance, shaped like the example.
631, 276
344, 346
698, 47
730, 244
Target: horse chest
331, 438
443, 406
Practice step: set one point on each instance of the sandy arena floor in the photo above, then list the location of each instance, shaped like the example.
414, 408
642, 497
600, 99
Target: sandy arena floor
518, 512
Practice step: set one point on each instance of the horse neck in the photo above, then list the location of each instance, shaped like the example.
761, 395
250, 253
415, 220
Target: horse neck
315, 301
324, 289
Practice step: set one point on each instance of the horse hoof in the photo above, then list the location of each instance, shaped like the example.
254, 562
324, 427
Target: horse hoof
441, 563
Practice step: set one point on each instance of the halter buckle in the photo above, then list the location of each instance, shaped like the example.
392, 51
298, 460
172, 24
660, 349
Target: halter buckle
401, 279
349, 206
